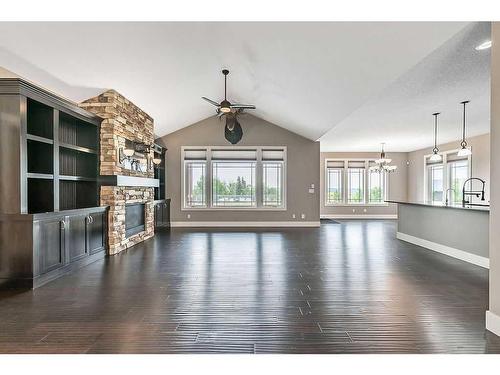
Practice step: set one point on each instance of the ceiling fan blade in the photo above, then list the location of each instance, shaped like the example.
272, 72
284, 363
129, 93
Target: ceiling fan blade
244, 106
211, 101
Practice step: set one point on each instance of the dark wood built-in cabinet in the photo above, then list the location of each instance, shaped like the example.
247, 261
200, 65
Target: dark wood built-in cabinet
66, 240
49, 193
162, 213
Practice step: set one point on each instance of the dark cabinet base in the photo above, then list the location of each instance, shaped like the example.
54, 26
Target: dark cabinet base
35, 249
162, 213
52, 275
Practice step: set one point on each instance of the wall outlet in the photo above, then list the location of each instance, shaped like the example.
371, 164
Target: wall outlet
302, 216
312, 186
189, 216
293, 216
311, 191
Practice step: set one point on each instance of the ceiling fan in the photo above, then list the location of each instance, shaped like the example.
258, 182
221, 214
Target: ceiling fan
232, 130
225, 106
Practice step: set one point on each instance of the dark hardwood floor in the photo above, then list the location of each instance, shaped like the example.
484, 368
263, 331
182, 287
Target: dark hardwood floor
342, 288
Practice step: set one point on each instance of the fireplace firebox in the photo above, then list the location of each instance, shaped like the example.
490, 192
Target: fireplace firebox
134, 218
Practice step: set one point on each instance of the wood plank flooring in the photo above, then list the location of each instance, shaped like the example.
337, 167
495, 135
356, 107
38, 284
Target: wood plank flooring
342, 288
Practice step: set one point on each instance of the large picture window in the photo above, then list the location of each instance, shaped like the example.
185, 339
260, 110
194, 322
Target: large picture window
234, 178
233, 184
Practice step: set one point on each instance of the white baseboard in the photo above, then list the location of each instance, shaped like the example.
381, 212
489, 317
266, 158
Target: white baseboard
243, 224
493, 323
367, 216
443, 249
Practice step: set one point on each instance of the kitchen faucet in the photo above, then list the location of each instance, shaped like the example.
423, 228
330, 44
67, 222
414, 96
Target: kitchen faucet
476, 193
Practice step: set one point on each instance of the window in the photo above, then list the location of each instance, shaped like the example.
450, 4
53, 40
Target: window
445, 179
435, 178
272, 180
195, 186
233, 184
234, 178
334, 181
195, 171
458, 173
351, 182
355, 182
376, 184
334, 186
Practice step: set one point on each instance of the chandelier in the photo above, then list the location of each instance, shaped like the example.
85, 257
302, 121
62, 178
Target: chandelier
383, 164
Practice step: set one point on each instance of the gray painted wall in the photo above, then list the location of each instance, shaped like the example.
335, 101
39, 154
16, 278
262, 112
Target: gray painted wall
303, 159
397, 184
469, 232
495, 172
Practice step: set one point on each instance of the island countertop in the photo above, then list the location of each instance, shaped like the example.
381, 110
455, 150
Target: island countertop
441, 205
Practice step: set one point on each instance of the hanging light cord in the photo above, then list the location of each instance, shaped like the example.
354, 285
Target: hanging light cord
464, 142
435, 150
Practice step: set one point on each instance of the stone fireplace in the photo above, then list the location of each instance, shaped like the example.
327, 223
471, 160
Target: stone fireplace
122, 187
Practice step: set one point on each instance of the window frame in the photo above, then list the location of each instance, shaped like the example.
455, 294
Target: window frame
446, 173
363, 175
327, 185
258, 178
345, 184
235, 161
282, 181
184, 187
450, 175
383, 183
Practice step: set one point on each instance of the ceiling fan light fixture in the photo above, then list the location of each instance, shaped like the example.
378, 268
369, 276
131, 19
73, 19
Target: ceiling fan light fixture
225, 106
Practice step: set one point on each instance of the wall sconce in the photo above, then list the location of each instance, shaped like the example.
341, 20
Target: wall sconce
126, 153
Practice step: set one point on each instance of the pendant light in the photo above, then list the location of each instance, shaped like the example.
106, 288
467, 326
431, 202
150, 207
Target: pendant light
435, 156
464, 151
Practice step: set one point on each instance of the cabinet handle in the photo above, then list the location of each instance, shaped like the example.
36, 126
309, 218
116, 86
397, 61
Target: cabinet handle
63, 224
91, 219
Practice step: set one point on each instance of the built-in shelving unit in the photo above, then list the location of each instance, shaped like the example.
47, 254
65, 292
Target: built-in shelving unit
62, 159
48, 186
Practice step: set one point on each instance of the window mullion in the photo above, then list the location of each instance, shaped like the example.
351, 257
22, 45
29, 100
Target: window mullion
208, 182
259, 191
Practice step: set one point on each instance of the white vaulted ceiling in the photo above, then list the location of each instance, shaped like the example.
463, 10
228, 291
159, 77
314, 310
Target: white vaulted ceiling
350, 84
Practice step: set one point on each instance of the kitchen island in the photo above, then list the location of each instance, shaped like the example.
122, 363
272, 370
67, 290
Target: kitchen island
455, 230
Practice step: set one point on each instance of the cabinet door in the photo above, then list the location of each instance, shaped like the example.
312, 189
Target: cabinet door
96, 229
76, 232
49, 238
158, 215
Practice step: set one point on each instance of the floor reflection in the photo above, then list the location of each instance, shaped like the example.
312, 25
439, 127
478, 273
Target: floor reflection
342, 288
